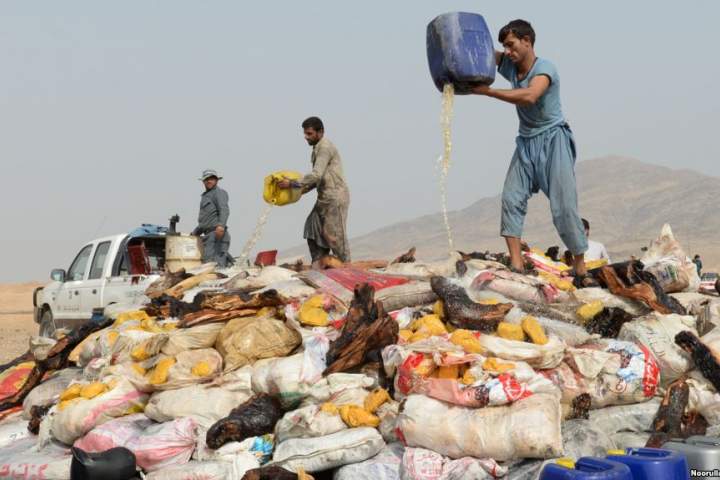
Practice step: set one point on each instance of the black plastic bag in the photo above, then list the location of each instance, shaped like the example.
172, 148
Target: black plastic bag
114, 464
253, 418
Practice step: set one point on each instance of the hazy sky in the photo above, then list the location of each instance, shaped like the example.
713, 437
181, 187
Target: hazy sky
110, 110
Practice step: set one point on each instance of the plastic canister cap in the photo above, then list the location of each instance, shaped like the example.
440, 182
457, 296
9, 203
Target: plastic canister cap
616, 452
566, 462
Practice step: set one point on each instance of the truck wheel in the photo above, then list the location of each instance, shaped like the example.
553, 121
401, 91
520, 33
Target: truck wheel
47, 324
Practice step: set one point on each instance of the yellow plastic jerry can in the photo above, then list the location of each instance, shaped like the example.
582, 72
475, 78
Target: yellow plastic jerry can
275, 195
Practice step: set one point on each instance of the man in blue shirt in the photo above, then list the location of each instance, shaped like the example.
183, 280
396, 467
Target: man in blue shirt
544, 157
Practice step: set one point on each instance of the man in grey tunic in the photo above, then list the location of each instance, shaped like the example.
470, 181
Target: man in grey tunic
212, 221
326, 226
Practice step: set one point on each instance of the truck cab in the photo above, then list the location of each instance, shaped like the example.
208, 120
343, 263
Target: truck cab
707, 282
108, 270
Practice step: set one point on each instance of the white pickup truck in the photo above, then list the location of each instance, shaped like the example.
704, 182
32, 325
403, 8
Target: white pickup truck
108, 270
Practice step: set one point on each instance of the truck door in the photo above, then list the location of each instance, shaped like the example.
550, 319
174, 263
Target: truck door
92, 290
68, 299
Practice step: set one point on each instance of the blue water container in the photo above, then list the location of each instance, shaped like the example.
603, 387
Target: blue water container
654, 464
460, 51
587, 468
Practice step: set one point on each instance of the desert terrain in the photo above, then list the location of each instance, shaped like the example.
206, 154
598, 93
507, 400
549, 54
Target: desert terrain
16, 322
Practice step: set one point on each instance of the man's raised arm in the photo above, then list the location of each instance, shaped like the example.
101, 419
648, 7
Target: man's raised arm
517, 96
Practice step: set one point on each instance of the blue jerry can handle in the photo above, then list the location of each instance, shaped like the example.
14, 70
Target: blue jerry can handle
593, 464
650, 452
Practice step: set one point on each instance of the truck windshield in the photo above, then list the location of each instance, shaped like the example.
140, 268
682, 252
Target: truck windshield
76, 272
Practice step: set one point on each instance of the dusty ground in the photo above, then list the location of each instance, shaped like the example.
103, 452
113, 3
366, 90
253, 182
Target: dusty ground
16, 323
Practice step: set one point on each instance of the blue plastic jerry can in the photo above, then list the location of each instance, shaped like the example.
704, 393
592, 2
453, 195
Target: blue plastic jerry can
587, 468
653, 463
460, 51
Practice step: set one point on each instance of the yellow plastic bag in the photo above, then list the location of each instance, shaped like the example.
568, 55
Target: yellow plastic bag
494, 365
593, 264
135, 408
140, 353
510, 331
92, 390
467, 340
267, 312
135, 328
73, 391
450, 372
303, 475
355, 416
316, 301
534, 330
275, 195
405, 334
468, 378
376, 398
138, 315
149, 325
419, 336
169, 326
66, 403
430, 324
139, 369
489, 301
201, 369
557, 282
426, 367
159, 374
329, 407
112, 337
312, 312
588, 311
439, 309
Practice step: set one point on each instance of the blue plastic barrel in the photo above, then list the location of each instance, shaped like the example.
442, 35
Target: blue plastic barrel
587, 468
460, 51
654, 464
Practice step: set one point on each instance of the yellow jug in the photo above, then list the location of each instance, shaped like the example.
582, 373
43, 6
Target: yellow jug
275, 195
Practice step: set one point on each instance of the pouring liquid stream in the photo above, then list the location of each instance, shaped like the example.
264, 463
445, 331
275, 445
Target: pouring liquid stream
446, 114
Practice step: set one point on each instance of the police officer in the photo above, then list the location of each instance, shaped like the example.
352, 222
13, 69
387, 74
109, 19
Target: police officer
212, 221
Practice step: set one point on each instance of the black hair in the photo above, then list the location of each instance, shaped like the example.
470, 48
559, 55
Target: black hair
586, 224
313, 122
519, 28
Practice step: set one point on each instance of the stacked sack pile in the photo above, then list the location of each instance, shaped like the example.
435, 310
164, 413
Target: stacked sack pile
459, 369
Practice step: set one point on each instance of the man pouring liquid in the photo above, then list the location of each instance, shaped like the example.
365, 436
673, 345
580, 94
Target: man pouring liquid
326, 226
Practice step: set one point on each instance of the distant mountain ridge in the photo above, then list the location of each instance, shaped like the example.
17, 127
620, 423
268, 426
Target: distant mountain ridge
626, 201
